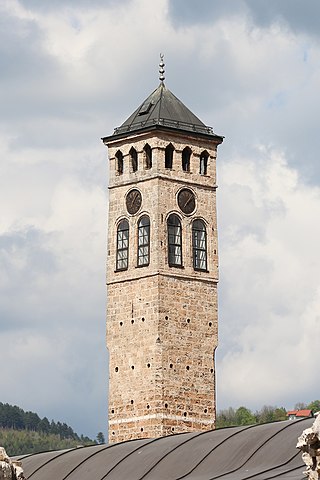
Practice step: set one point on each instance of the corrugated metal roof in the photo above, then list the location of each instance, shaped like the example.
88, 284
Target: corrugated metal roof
162, 109
261, 452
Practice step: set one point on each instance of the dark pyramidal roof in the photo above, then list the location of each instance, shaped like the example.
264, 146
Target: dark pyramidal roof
162, 109
259, 452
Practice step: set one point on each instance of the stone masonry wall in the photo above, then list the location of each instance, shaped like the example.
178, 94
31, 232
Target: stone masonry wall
161, 320
188, 333
161, 356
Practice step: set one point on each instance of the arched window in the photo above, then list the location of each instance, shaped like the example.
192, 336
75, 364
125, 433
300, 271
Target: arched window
186, 154
122, 245
148, 156
204, 162
134, 159
169, 156
143, 241
174, 241
199, 244
119, 162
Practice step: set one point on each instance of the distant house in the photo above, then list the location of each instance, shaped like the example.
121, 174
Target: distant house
294, 414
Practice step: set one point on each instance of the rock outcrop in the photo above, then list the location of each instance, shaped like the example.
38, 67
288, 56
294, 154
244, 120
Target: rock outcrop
309, 444
10, 469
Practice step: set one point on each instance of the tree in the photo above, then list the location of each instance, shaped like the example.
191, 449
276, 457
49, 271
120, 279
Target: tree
244, 416
31, 421
100, 438
280, 414
314, 406
226, 418
266, 414
44, 425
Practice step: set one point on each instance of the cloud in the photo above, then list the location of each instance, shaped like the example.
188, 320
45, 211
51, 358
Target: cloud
74, 4
269, 281
301, 18
52, 317
292, 14
60, 375
71, 72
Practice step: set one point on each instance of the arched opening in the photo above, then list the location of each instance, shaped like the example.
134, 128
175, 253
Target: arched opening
169, 156
119, 162
143, 241
122, 245
204, 162
134, 159
199, 245
174, 241
186, 154
148, 156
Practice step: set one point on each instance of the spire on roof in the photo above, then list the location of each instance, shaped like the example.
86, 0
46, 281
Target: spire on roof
161, 69
162, 109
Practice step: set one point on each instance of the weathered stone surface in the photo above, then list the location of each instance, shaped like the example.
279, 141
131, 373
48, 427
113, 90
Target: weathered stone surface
162, 322
10, 470
309, 444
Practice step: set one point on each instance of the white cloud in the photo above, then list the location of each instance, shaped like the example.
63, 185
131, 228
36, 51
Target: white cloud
269, 261
71, 74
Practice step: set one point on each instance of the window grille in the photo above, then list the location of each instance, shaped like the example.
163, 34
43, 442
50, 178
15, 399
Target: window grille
199, 241
122, 245
143, 241
174, 241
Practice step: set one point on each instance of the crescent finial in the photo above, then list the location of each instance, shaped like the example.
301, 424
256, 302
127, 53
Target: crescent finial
161, 68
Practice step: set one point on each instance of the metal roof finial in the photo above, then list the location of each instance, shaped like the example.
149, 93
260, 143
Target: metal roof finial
161, 69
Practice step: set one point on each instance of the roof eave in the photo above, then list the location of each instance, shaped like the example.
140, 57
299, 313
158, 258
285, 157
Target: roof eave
117, 136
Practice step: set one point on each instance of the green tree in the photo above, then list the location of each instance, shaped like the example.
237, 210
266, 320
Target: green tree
280, 414
266, 414
44, 425
100, 438
31, 421
226, 418
244, 416
314, 406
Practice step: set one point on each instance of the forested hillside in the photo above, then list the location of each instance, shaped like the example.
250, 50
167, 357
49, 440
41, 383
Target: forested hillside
19, 442
25, 432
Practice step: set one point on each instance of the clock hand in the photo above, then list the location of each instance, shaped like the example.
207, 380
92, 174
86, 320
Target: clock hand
188, 201
134, 199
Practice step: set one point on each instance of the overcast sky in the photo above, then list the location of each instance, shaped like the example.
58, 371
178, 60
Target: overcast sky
71, 71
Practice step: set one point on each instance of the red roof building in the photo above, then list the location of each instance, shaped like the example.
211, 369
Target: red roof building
293, 414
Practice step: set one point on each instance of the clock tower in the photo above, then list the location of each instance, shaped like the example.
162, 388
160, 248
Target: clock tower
162, 271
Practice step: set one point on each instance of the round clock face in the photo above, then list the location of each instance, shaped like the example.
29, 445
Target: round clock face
133, 201
186, 201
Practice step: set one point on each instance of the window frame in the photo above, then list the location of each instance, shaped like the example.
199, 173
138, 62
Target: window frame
174, 229
197, 248
144, 244
122, 239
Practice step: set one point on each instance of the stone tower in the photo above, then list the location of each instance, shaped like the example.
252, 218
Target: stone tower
162, 271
